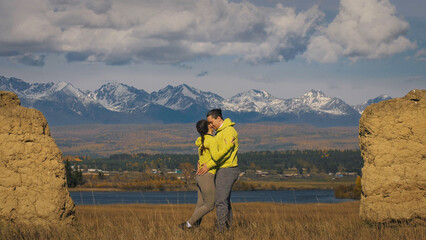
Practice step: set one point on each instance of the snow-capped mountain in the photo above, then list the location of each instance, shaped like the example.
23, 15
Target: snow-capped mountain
43, 91
317, 101
64, 104
361, 107
61, 103
120, 97
255, 101
13, 84
183, 96
265, 103
65, 94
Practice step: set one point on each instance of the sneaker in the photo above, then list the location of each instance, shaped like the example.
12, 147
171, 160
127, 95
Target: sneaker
183, 226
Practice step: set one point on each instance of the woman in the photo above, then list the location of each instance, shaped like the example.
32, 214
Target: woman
207, 150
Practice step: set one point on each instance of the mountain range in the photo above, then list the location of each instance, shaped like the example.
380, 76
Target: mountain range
64, 104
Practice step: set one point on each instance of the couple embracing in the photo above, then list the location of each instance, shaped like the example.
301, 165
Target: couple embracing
217, 169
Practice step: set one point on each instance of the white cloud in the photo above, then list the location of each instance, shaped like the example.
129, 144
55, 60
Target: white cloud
420, 55
174, 31
363, 29
163, 31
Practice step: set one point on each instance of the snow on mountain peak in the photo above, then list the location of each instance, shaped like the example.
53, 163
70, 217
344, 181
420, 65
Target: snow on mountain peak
263, 102
119, 97
254, 101
114, 89
68, 89
259, 93
253, 94
315, 95
59, 86
188, 91
361, 107
183, 96
316, 100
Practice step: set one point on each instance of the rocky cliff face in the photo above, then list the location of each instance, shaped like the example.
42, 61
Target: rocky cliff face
32, 175
392, 139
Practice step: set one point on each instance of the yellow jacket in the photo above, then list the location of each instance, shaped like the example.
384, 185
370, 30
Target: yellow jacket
211, 152
228, 132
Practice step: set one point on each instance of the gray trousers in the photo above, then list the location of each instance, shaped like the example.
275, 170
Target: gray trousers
225, 179
206, 197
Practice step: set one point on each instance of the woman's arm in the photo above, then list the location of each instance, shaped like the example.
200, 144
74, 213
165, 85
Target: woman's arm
214, 149
215, 153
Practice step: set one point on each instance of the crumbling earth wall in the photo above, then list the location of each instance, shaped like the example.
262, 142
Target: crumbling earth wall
32, 176
392, 139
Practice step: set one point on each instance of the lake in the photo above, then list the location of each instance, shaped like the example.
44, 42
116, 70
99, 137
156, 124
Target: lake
182, 197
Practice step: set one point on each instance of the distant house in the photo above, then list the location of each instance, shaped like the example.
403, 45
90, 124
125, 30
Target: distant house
73, 167
262, 173
175, 171
291, 175
338, 175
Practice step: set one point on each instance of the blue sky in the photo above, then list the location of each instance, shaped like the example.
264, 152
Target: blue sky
354, 50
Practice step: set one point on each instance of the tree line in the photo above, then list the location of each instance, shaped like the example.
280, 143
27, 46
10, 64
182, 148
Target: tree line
322, 160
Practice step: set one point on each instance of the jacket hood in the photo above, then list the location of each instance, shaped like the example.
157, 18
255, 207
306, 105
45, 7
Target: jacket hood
227, 122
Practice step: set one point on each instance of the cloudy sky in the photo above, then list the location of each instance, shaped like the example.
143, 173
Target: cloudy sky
351, 49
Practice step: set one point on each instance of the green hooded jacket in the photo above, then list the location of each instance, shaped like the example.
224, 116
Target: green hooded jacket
211, 152
228, 132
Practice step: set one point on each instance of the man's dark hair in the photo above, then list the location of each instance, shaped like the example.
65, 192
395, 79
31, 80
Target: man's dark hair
214, 113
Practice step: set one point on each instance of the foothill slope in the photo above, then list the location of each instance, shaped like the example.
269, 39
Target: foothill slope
104, 139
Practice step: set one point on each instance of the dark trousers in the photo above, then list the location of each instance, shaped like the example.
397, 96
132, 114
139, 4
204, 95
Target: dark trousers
225, 179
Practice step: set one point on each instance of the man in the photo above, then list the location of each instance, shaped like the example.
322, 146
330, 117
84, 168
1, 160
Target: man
228, 170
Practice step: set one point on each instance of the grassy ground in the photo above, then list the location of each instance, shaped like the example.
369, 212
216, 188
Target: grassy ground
251, 221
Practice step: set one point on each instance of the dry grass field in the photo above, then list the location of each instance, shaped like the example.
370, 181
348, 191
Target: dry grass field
251, 221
